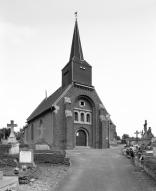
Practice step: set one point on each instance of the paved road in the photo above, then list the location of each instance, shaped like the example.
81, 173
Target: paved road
104, 170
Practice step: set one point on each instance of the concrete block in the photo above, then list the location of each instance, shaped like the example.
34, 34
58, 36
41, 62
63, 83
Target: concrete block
9, 183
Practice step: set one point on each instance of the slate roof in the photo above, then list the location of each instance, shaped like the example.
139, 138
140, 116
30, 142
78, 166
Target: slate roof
76, 54
46, 104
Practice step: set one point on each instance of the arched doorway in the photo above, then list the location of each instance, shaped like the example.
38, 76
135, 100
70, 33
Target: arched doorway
81, 138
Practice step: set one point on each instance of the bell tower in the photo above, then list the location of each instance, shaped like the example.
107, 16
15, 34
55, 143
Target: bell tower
77, 69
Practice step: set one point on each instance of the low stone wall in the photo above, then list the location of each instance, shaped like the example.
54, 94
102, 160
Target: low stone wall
8, 160
48, 156
4, 148
147, 166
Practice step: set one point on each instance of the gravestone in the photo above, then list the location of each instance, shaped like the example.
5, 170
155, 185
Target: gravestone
12, 138
26, 157
14, 149
11, 145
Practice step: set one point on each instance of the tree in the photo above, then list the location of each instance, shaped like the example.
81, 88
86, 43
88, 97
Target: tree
118, 138
124, 138
20, 135
4, 133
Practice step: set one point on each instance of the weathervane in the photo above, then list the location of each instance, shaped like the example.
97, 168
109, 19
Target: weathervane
75, 15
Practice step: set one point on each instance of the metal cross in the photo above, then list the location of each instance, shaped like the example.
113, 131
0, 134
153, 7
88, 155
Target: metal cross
75, 15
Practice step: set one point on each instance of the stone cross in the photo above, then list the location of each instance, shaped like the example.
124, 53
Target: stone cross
12, 125
137, 133
12, 137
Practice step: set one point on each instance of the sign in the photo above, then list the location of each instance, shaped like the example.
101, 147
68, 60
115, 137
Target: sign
26, 156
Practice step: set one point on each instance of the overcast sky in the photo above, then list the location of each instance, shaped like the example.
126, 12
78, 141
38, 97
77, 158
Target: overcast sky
118, 39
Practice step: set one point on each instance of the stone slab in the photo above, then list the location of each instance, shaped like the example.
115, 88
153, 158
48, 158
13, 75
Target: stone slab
42, 147
26, 156
9, 183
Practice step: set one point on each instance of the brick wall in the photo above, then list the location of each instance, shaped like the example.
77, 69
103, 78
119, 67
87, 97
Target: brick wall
59, 128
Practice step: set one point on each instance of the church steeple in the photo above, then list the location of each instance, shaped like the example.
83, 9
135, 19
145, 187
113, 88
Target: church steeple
77, 70
76, 49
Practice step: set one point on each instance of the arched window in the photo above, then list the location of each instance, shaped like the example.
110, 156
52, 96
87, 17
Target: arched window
82, 117
88, 118
76, 116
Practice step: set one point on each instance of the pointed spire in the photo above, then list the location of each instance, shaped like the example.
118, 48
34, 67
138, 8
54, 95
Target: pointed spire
76, 49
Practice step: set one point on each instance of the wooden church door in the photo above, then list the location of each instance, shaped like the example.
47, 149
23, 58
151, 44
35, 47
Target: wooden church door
81, 138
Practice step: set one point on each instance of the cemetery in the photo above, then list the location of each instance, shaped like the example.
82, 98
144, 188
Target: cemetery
142, 151
22, 167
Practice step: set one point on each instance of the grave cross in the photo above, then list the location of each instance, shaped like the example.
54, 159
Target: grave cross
137, 133
12, 125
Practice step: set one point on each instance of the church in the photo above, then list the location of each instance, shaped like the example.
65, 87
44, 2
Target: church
73, 115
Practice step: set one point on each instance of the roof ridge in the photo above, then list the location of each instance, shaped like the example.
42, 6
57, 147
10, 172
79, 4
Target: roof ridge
36, 108
46, 104
63, 94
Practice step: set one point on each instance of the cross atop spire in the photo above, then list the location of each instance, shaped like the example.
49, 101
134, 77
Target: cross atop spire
75, 15
76, 49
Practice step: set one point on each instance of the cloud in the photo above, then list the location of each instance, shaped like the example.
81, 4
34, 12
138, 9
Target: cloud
15, 34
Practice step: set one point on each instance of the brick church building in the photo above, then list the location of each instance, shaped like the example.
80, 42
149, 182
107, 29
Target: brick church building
74, 114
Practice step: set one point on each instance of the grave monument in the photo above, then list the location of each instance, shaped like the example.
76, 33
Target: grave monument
146, 134
11, 145
12, 139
